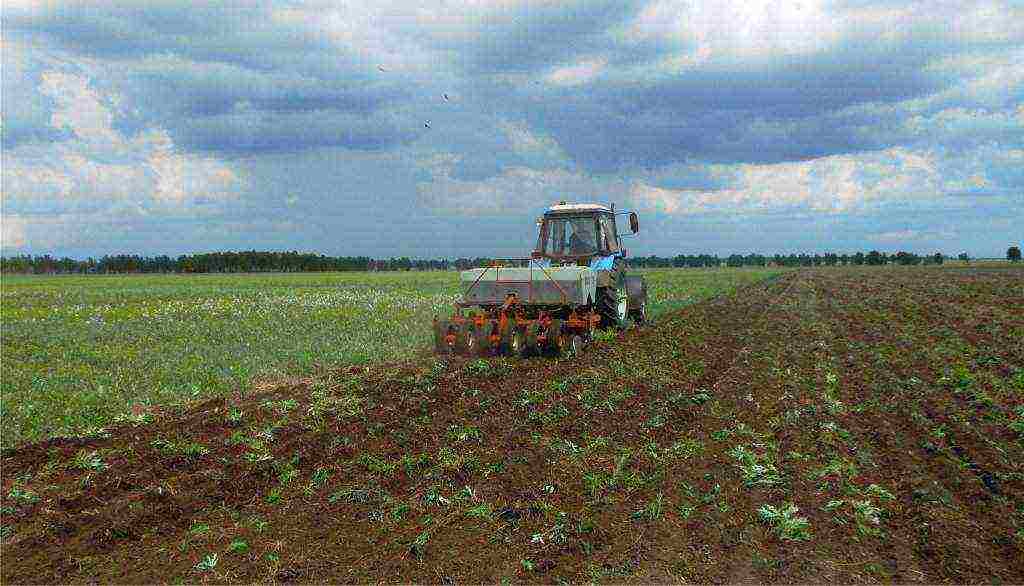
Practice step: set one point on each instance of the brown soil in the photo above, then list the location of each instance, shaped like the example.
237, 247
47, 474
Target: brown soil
887, 405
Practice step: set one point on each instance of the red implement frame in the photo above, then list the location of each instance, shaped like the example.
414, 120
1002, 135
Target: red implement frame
511, 308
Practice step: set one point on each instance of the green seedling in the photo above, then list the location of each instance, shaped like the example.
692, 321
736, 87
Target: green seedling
700, 397
319, 478
464, 433
481, 511
868, 517
207, 564
235, 416
758, 469
784, 522
418, 547
135, 417
22, 496
186, 449
652, 511
89, 461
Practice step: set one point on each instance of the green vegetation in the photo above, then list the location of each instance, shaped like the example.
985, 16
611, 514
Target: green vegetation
83, 352
826, 421
785, 523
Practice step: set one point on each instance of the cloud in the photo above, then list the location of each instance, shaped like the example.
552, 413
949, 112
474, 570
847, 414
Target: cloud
582, 72
840, 184
99, 175
171, 121
12, 232
736, 30
514, 190
532, 146
908, 236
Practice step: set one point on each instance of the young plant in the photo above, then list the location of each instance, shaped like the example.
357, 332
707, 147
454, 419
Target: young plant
235, 416
758, 469
207, 564
21, 496
136, 417
89, 461
784, 522
652, 511
867, 516
319, 478
185, 449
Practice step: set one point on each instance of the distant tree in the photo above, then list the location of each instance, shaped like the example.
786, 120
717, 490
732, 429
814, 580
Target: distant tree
875, 258
937, 258
964, 257
907, 258
1013, 254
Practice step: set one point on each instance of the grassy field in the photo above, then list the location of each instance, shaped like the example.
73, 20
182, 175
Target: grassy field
855, 425
80, 351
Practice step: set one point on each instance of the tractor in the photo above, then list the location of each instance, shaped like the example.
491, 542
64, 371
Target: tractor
575, 283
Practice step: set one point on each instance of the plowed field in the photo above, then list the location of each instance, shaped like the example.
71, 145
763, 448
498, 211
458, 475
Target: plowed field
823, 426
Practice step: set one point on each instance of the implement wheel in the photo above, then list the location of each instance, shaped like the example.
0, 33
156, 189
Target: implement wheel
513, 339
440, 331
576, 345
556, 340
532, 333
466, 340
483, 338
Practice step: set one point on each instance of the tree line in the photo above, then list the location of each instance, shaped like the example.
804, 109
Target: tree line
872, 258
263, 261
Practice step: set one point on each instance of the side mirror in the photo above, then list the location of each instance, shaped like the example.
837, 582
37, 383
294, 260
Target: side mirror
634, 222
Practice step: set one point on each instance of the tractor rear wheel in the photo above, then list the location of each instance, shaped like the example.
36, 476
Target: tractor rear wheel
611, 304
639, 313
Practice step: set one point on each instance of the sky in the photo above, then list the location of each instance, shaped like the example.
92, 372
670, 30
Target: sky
444, 128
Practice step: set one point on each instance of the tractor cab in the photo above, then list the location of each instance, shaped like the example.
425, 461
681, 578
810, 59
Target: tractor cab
580, 233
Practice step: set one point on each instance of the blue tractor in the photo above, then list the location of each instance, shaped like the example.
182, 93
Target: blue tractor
576, 281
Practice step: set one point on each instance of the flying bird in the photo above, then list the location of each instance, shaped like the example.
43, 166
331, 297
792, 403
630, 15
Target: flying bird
445, 97
381, 68
426, 124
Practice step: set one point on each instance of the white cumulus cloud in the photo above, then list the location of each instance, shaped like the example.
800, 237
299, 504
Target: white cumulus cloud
100, 175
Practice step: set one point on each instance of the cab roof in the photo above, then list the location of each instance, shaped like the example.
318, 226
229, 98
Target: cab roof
578, 207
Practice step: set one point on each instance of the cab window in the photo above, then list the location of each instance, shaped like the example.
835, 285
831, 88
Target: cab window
608, 240
571, 236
